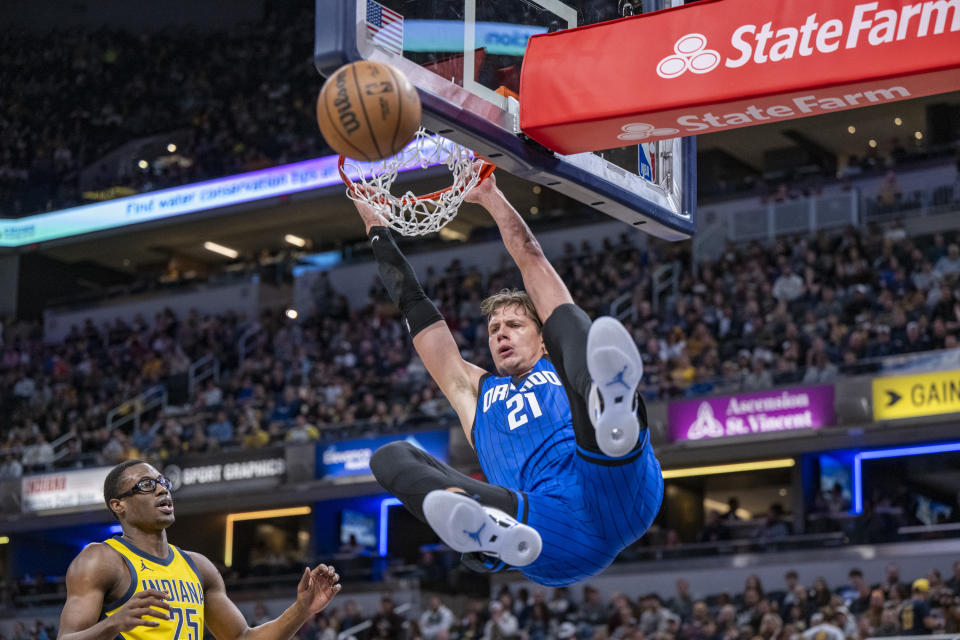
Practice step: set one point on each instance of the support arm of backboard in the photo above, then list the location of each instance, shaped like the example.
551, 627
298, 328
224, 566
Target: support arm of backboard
489, 130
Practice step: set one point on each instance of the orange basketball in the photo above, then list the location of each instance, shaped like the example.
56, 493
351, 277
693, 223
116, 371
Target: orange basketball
368, 111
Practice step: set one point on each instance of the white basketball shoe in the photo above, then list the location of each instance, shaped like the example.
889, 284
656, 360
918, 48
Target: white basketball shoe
467, 526
616, 368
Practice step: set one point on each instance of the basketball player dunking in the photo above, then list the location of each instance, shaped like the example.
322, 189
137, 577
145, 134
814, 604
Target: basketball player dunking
570, 485
137, 586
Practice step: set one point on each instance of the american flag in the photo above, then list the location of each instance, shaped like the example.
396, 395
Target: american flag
385, 27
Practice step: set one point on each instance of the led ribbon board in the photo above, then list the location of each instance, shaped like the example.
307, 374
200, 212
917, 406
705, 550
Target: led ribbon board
178, 201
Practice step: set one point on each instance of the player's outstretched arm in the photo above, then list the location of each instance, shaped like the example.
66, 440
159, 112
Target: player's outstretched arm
457, 378
540, 280
90, 577
225, 621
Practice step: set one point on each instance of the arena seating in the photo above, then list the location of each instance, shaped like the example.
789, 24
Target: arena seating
227, 114
864, 607
238, 116
800, 310
796, 312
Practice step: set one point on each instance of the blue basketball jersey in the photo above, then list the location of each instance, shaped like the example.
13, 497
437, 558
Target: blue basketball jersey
587, 507
523, 432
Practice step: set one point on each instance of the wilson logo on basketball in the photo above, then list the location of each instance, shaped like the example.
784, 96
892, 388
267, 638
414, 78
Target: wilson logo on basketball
690, 53
348, 119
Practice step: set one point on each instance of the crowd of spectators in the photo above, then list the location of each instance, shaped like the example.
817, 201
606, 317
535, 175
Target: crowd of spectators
854, 611
894, 605
245, 97
298, 380
805, 180
857, 610
30, 630
801, 311
236, 100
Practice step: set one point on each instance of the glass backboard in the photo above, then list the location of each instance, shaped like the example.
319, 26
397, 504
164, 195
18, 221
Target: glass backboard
465, 57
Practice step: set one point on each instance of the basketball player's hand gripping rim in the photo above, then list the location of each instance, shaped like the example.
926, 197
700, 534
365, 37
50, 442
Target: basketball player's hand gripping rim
369, 216
485, 191
317, 588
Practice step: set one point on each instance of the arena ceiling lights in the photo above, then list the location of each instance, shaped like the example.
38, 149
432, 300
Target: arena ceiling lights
295, 240
220, 249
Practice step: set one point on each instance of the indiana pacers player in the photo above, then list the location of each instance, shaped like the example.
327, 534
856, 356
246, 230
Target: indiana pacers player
137, 586
559, 429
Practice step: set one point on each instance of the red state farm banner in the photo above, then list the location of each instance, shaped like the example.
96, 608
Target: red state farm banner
713, 66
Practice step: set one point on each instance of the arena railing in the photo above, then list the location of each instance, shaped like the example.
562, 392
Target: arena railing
746, 221
752, 544
930, 529
935, 636
133, 410
665, 281
351, 633
130, 411
711, 239
940, 200
247, 342
202, 370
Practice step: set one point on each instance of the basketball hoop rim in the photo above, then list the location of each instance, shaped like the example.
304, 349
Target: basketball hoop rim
485, 171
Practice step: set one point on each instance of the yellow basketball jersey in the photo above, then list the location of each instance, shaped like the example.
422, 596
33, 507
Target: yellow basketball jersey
178, 576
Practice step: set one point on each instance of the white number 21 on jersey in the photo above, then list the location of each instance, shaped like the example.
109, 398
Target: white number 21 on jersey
517, 419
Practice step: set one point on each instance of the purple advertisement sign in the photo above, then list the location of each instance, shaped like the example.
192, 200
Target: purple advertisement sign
764, 412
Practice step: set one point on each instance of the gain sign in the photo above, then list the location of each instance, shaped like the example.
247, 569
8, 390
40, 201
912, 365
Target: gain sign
926, 394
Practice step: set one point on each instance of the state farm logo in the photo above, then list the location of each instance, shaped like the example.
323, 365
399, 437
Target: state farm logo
642, 131
690, 54
868, 25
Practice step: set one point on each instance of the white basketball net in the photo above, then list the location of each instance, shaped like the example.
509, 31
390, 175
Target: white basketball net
409, 214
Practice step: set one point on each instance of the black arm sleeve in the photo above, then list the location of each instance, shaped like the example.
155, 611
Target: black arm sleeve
401, 282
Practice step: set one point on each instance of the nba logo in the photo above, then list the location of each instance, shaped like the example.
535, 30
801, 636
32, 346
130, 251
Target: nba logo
644, 160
